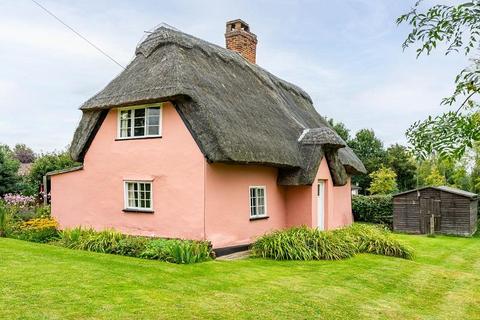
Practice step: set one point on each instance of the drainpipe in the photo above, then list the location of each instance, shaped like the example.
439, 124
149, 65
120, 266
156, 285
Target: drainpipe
44, 191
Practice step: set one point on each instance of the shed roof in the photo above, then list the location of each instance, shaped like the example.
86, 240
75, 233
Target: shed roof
443, 188
236, 111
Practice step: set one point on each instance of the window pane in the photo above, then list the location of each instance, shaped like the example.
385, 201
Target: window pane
147, 186
260, 192
139, 122
139, 132
261, 210
153, 130
125, 123
261, 201
253, 211
154, 111
153, 121
139, 113
147, 204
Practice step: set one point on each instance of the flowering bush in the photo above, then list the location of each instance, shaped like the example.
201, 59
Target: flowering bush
36, 230
20, 207
19, 200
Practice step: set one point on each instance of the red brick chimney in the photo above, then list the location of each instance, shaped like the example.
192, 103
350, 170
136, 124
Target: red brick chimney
239, 38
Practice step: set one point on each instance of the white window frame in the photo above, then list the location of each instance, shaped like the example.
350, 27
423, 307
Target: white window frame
144, 106
257, 216
125, 195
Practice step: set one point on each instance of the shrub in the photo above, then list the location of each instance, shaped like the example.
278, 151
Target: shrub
373, 209
3, 219
302, 243
131, 246
36, 230
90, 240
24, 208
110, 241
178, 251
376, 240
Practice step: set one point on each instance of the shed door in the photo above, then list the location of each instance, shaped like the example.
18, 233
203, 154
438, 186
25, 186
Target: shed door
429, 207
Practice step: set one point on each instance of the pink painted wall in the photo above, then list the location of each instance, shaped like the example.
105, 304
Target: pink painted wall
302, 202
341, 213
227, 203
94, 196
299, 206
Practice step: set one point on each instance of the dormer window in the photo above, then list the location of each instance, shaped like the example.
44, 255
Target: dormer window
140, 122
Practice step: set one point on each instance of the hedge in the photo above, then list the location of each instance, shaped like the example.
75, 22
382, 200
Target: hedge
373, 209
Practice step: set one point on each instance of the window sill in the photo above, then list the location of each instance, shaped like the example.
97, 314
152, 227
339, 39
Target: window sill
259, 218
138, 138
138, 211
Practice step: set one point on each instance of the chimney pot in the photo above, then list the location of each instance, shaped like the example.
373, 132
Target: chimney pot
239, 39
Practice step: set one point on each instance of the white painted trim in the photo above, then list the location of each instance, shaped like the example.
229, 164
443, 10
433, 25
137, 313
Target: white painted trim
125, 195
305, 131
264, 200
143, 106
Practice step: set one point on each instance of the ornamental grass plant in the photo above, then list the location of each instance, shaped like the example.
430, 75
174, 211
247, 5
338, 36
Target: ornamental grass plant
303, 243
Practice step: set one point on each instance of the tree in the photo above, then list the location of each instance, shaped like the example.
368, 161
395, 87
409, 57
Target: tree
47, 163
23, 153
457, 27
340, 129
8, 171
401, 161
384, 181
435, 178
370, 151
475, 175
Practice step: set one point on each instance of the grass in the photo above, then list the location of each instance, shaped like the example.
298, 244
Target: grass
40, 281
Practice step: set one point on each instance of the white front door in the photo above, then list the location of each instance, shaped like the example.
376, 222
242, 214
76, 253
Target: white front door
321, 205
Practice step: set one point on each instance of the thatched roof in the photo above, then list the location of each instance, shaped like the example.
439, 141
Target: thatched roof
236, 111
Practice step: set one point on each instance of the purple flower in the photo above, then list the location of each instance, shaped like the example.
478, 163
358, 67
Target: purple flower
19, 200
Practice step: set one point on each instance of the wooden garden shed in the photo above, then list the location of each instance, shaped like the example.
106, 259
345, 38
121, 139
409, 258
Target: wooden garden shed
442, 210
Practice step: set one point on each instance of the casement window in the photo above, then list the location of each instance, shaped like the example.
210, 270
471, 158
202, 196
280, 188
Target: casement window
138, 195
258, 202
141, 121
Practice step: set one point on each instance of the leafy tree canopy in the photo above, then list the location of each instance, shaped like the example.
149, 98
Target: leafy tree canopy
435, 178
384, 181
402, 162
370, 151
8, 171
23, 153
458, 28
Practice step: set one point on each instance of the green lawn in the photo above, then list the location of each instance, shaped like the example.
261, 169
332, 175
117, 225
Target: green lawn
46, 282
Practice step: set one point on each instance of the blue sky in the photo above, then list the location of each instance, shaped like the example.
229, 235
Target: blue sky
346, 54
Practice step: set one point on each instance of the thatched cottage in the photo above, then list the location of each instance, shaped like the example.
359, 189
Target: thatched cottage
196, 141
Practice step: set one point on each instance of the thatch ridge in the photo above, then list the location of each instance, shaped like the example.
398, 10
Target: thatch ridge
236, 111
